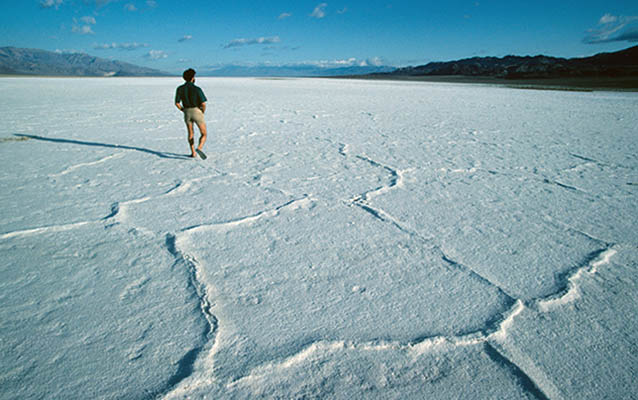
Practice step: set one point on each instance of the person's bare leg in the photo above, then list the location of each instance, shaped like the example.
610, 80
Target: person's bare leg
191, 138
202, 137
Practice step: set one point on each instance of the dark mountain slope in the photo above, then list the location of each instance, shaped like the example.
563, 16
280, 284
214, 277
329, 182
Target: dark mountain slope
605, 65
16, 61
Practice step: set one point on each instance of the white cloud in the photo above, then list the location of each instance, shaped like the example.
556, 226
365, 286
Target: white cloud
120, 46
156, 55
101, 3
607, 19
612, 28
304, 65
184, 38
130, 7
375, 61
67, 51
88, 20
51, 3
346, 62
343, 10
82, 30
246, 42
151, 3
284, 15
319, 11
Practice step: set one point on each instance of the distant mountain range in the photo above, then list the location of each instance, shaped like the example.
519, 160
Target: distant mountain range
604, 65
15, 61
621, 64
292, 70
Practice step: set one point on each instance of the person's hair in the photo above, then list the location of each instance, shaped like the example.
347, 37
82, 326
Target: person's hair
189, 74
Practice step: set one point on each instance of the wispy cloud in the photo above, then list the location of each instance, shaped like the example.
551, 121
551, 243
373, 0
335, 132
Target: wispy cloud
130, 7
88, 20
67, 51
306, 66
51, 3
120, 46
347, 62
343, 10
184, 38
156, 55
607, 19
82, 30
613, 28
101, 3
375, 61
284, 15
151, 3
282, 48
247, 42
319, 11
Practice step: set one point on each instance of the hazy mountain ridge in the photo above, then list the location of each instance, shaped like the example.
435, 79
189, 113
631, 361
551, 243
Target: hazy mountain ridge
18, 61
622, 63
291, 71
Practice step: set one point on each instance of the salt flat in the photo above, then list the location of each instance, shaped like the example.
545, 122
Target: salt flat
344, 239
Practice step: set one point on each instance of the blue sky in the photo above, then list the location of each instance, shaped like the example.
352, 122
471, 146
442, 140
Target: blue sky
171, 35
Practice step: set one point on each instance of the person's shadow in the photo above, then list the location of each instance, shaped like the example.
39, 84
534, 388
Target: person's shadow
107, 145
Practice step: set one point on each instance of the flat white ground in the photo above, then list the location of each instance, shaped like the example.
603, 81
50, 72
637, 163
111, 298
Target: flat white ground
344, 239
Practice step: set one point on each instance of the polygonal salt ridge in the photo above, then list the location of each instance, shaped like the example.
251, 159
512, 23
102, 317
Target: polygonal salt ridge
46, 229
304, 202
571, 291
496, 333
87, 164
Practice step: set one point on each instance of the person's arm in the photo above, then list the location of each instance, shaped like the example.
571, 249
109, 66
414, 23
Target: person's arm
203, 99
178, 101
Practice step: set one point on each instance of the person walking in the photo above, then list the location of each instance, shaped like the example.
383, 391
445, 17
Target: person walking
190, 99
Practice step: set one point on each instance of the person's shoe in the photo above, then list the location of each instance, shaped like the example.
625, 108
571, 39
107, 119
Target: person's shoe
201, 154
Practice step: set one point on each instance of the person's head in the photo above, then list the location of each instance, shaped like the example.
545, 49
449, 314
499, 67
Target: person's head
188, 75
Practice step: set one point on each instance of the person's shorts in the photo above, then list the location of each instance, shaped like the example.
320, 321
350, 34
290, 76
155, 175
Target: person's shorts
193, 114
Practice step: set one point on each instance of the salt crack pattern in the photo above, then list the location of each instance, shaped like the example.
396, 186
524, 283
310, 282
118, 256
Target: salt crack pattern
492, 335
362, 201
572, 291
177, 245
45, 229
196, 283
396, 180
303, 202
87, 164
119, 215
